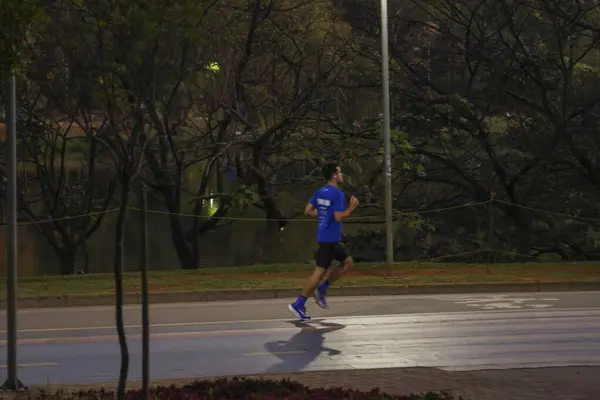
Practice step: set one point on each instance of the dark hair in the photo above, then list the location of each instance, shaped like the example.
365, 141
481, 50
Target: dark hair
329, 169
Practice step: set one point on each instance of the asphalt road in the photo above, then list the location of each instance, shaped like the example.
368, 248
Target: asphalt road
453, 332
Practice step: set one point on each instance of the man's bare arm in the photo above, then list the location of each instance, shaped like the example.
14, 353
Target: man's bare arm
310, 210
341, 216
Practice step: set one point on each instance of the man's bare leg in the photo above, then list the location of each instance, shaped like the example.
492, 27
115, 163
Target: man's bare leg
332, 275
298, 308
315, 279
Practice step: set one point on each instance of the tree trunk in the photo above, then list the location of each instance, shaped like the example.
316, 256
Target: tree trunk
66, 257
118, 274
269, 243
145, 306
86, 258
185, 252
270, 246
523, 234
523, 238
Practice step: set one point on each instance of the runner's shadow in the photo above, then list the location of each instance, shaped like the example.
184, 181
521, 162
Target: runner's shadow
302, 348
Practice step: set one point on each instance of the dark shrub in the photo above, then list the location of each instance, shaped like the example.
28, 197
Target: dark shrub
242, 389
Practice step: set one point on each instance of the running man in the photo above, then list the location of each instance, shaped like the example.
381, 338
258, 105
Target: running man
328, 205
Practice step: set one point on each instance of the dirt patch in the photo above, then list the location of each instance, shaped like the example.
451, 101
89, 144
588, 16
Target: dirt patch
570, 268
529, 278
360, 273
357, 272
155, 288
297, 275
541, 275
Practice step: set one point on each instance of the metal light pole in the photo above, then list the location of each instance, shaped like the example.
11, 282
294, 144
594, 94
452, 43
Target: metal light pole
12, 382
386, 135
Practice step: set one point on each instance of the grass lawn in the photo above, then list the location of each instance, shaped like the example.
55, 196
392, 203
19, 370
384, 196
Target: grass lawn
294, 275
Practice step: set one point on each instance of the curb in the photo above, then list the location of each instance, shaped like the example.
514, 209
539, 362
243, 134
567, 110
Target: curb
261, 294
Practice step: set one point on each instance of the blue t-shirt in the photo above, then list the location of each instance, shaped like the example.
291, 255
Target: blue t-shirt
328, 200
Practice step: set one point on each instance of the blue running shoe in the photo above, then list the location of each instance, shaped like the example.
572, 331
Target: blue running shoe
320, 298
298, 311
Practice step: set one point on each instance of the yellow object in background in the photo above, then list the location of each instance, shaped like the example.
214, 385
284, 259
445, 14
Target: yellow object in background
213, 66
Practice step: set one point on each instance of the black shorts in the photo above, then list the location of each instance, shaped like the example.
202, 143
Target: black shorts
327, 252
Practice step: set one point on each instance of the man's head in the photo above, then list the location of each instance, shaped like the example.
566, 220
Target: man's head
333, 173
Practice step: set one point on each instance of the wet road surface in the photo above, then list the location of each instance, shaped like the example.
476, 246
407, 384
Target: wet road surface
452, 332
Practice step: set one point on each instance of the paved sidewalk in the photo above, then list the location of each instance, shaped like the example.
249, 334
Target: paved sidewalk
563, 383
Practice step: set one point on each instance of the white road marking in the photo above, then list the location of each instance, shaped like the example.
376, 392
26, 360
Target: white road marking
502, 301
